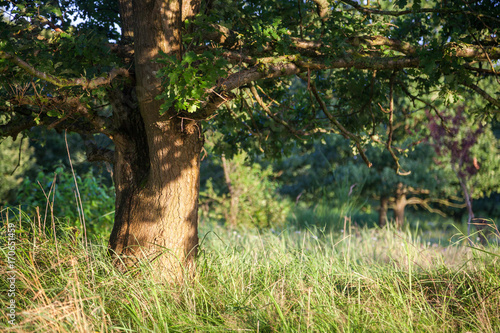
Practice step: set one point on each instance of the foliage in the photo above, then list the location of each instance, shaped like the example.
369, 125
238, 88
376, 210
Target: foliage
56, 194
262, 35
362, 280
186, 82
258, 203
50, 151
469, 148
325, 170
15, 160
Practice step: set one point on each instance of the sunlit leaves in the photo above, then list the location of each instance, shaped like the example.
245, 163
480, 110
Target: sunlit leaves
186, 82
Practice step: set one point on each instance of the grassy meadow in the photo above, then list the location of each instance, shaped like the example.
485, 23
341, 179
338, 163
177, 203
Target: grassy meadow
292, 280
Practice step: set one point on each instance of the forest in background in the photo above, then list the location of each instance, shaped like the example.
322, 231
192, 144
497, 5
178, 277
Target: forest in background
318, 184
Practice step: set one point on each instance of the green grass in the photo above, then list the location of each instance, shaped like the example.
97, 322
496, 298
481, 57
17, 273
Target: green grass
360, 280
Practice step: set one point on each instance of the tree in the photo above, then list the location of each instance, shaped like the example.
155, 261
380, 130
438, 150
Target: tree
173, 66
321, 169
248, 196
425, 186
455, 138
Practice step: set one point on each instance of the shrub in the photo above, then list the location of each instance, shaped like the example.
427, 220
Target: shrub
57, 193
253, 196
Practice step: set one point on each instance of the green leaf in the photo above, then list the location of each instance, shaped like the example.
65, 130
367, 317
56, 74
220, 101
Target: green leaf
401, 3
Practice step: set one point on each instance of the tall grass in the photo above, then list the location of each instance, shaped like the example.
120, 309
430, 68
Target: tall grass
359, 280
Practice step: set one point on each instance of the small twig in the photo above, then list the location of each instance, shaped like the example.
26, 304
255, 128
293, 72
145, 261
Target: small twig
337, 124
391, 128
270, 114
19, 156
483, 93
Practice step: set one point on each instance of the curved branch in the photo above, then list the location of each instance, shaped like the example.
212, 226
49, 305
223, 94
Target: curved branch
274, 67
483, 93
396, 13
337, 124
425, 204
61, 82
391, 129
256, 95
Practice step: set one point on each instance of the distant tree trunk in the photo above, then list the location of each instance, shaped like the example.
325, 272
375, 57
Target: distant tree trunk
382, 213
157, 157
468, 202
482, 226
235, 198
400, 205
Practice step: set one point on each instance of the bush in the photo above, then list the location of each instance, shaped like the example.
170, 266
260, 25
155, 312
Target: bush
57, 193
15, 159
334, 209
253, 197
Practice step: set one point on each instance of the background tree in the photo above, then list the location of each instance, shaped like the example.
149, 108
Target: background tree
322, 168
173, 66
454, 138
239, 191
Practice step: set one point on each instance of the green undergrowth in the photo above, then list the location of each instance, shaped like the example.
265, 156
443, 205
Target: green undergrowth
358, 280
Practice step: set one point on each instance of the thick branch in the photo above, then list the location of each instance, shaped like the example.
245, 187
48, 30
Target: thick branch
322, 9
394, 44
274, 67
227, 38
61, 82
396, 13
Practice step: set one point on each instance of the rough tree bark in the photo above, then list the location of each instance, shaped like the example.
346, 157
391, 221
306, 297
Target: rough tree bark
157, 157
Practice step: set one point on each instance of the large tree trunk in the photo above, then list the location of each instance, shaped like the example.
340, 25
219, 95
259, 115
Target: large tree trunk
157, 210
157, 158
